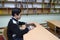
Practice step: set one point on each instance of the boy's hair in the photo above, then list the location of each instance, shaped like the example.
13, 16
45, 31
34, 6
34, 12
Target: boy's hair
16, 11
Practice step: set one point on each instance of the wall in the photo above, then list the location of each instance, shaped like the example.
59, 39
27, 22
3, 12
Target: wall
30, 18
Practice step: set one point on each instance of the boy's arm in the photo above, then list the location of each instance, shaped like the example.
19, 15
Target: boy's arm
16, 30
22, 23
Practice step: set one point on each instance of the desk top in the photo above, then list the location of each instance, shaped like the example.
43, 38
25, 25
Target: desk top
55, 22
39, 33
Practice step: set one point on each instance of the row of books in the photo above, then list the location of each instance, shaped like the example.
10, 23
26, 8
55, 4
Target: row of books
11, 5
24, 5
46, 1
55, 11
55, 1
28, 0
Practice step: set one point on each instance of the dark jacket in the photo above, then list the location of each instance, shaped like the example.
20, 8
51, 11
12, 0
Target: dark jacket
13, 30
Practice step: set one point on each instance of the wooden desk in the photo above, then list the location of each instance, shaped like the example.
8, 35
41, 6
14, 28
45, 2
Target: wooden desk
54, 24
39, 33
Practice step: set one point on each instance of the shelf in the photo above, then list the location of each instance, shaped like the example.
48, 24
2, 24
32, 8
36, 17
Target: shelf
55, 8
55, 3
30, 6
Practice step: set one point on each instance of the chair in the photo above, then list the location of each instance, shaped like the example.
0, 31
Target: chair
5, 34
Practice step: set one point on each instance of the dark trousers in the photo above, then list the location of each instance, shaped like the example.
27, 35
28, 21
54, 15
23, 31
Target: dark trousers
18, 38
15, 39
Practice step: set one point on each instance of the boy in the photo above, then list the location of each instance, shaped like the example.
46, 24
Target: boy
14, 32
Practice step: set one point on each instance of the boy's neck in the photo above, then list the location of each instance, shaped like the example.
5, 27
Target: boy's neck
15, 18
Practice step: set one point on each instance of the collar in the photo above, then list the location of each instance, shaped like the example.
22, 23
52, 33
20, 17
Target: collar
14, 19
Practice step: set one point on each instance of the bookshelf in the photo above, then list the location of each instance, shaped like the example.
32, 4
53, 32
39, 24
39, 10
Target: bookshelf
55, 6
30, 6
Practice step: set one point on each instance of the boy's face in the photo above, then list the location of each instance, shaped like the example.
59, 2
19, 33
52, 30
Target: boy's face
18, 16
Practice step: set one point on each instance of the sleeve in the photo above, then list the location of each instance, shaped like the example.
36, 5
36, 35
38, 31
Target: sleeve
22, 23
30, 27
15, 29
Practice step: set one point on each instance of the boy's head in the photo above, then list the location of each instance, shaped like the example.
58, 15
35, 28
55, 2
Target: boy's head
16, 13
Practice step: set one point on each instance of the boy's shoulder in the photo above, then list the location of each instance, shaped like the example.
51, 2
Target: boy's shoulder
12, 21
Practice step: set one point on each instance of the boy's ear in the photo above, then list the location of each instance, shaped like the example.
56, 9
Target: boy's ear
15, 14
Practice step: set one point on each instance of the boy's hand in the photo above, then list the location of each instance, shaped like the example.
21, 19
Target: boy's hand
31, 27
35, 23
23, 27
